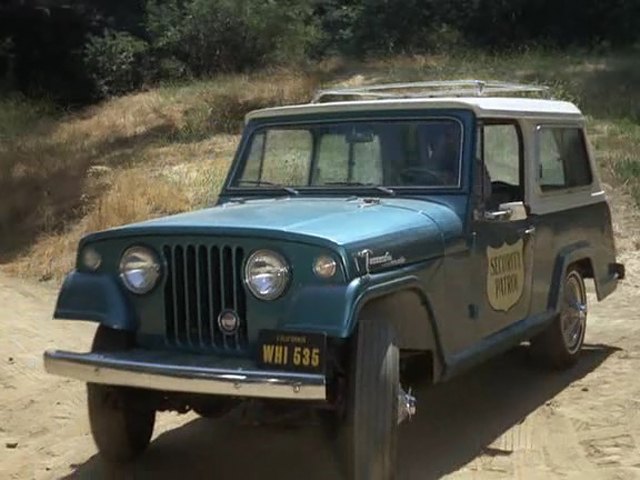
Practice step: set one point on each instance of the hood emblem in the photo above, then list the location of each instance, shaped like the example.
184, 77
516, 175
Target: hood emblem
228, 321
368, 260
368, 202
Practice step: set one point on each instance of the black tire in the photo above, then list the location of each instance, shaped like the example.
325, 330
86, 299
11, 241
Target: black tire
214, 408
369, 433
120, 419
558, 346
206, 412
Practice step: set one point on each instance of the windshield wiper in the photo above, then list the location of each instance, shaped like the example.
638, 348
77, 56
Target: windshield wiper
260, 183
380, 188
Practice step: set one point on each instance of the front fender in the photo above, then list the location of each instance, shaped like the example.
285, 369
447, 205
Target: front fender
97, 298
334, 309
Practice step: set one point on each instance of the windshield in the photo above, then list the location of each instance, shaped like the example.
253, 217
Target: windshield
425, 153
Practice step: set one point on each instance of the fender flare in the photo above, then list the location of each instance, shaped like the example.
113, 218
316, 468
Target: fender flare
580, 252
417, 331
96, 298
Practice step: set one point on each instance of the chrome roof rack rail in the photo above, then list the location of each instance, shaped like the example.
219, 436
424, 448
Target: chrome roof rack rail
432, 89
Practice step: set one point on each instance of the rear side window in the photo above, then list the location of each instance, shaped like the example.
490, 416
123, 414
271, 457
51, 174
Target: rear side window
563, 160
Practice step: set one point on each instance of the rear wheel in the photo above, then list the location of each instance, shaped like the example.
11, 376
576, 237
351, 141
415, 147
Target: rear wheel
559, 345
121, 420
370, 428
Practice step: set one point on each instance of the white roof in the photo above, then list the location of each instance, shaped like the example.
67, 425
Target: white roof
483, 107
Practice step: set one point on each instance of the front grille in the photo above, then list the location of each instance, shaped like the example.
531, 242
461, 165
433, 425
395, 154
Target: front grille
202, 281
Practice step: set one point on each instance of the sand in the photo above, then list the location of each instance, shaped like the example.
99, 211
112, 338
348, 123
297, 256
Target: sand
502, 420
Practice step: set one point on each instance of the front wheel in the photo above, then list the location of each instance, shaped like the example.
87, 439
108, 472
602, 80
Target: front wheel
559, 346
370, 429
121, 420
213, 407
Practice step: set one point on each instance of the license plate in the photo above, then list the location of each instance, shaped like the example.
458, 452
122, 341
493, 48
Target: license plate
278, 350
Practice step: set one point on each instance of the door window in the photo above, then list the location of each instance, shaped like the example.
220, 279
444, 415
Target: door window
502, 153
501, 171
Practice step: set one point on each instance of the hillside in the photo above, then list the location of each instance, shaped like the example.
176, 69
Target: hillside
167, 149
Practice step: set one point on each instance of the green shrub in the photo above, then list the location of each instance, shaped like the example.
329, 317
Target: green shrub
627, 171
210, 36
20, 115
117, 62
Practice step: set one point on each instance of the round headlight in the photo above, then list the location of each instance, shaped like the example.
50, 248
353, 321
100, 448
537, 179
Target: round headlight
91, 259
139, 269
325, 267
266, 274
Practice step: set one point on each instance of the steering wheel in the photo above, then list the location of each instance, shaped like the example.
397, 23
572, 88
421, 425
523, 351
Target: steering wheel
424, 174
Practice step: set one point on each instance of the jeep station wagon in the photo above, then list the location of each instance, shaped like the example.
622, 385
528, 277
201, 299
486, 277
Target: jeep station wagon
375, 231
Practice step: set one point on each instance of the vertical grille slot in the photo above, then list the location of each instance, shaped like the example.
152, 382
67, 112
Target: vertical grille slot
216, 292
239, 296
202, 281
169, 300
204, 295
179, 296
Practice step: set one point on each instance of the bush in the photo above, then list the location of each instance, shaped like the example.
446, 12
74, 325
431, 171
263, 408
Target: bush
117, 62
627, 171
210, 36
19, 115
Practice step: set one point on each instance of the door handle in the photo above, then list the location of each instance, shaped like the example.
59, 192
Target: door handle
528, 231
498, 215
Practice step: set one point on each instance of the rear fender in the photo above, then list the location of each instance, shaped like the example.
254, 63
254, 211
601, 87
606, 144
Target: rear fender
580, 255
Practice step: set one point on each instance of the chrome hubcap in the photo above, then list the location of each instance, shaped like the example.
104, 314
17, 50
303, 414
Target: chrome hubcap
573, 316
406, 405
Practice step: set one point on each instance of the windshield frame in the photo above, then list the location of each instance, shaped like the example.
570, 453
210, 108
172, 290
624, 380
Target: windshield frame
254, 127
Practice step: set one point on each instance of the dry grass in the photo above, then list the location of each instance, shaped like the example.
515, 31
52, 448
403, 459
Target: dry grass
134, 195
168, 149
617, 145
57, 171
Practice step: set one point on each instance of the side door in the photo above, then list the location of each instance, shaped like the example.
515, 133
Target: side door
502, 230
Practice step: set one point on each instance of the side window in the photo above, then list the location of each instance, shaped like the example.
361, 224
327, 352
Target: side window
563, 161
502, 153
500, 164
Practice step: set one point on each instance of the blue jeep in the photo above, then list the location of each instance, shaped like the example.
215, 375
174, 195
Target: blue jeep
372, 235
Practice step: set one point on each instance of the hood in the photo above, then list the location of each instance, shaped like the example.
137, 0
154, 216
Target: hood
394, 229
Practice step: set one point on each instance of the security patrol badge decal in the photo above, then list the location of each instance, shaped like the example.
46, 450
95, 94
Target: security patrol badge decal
505, 275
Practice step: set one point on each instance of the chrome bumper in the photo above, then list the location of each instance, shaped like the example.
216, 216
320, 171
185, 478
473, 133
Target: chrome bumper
182, 374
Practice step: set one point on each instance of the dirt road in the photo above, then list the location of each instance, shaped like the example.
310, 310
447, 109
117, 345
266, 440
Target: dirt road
503, 420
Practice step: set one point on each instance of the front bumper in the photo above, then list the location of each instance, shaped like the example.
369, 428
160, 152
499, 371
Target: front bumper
183, 373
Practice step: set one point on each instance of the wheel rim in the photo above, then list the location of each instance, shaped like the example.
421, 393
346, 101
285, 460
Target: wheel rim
573, 316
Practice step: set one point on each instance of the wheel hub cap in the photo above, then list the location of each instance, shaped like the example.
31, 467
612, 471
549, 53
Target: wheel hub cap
573, 315
407, 405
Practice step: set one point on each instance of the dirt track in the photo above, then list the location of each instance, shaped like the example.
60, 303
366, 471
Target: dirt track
503, 420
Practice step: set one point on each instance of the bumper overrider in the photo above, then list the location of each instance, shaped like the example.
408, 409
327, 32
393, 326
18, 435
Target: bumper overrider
179, 373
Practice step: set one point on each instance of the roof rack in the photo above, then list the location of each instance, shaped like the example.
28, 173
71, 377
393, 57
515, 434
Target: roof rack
433, 89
